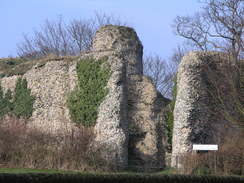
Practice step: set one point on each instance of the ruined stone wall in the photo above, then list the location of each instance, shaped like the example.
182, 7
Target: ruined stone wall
123, 40
202, 88
132, 106
112, 125
146, 143
50, 84
143, 103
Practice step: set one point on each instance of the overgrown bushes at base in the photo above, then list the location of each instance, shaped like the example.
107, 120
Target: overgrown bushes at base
30, 148
228, 160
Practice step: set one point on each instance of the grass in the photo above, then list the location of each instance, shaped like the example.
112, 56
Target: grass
29, 170
19, 66
8, 65
167, 171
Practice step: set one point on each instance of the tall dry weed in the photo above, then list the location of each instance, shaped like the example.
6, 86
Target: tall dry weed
228, 160
25, 148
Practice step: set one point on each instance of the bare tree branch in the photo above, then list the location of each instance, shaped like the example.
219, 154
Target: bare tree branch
56, 37
220, 23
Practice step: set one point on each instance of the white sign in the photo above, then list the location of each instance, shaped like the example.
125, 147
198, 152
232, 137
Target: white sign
205, 147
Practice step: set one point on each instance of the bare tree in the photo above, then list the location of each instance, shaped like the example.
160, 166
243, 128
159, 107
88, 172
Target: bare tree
57, 37
225, 87
161, 73
177, 54
82, 32
219, 26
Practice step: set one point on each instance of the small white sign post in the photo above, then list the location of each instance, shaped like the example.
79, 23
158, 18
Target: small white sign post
207, 147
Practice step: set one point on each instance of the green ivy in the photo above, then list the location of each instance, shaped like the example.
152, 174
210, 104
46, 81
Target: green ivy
170, 113
8, 106
22, 104
1, 102
84, 101
23, 100
5, 104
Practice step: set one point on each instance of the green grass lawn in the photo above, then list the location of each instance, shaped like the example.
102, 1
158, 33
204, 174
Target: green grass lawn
167, 171
29, 170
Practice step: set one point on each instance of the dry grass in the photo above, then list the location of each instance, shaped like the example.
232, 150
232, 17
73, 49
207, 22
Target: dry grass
23, 148
228, 160
19, 66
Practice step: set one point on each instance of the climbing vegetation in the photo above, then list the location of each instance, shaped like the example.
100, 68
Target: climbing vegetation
23, 100
22, 103
170, 113
84, 101
5, 104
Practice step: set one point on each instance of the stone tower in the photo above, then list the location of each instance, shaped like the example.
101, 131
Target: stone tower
142, 104
202, 88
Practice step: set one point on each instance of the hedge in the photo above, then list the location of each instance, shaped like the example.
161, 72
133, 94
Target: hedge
113, 178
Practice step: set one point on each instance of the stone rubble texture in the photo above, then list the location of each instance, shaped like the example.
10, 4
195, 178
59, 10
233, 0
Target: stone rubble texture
197, 114
9, 83
51, 85
146, 142
141, 103
130, 118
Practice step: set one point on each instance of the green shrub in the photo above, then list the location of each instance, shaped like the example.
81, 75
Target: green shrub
202, 171
84, 101
23, 100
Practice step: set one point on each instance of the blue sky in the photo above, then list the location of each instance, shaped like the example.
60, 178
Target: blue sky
150, 18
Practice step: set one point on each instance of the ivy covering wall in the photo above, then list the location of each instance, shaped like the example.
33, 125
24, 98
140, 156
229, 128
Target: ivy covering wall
23, 100
5, 104
21, 104
84, 101
170, 113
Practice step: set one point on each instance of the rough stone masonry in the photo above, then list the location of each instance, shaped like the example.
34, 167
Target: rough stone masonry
130, 118
133, 101
204, 100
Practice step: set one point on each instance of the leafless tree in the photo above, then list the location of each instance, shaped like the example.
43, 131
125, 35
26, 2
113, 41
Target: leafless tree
219, 26
177, 54
58, 38
157, 68
226, 91
161, 73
